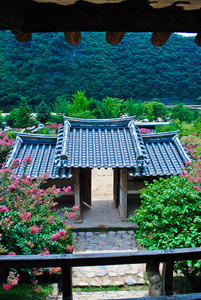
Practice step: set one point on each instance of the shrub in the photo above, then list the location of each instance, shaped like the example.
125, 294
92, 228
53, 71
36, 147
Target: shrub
170, 217
29, 223
51, 128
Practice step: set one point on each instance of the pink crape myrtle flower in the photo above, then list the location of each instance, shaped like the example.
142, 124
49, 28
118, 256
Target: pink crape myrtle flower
62, 232
66, 190
55, 237
15, 163
27, 160
45, 252
11, 253
34, 229
3, 209
70, 248
11, 281
54, 270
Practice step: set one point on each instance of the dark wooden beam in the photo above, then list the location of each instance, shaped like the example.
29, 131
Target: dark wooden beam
114, 38
159, 39
128, 16
98, 259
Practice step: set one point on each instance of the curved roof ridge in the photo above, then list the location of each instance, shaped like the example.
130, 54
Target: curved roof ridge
99, 122
160, 134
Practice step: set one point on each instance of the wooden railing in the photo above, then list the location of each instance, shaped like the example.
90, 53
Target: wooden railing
67, 261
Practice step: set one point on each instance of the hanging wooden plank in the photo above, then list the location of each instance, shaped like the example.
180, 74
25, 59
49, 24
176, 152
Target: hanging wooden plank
160, 38
114, 38
23, 37
73, 38
198, 39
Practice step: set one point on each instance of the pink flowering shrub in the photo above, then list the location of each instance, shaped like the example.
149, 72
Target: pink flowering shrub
5, 145
28, 219
145, 130
52, 128
193, 171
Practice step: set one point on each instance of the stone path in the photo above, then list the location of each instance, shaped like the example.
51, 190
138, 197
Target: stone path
107, 276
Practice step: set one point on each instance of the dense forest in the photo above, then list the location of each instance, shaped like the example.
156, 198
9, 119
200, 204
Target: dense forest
47, 68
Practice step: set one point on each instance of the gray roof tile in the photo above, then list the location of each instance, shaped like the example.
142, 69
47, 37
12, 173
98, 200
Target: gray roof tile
102, 144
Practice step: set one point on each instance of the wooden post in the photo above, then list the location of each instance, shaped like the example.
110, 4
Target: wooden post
160, 38
115, 186
73, 38
76, 175
167, 278
67, 283
123, 194
114, 38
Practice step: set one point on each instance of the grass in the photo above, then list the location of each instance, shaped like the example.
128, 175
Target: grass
125, 287
25, 291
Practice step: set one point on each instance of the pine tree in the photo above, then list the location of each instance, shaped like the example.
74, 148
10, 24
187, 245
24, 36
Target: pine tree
43, 112
25, 116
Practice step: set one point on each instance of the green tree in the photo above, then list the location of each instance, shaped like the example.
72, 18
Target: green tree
169, 218
43, 112
60, 108
134, 109
24, 116
156, 111
113, 107
11, 118
80, 106
98, 109
149, 110
182, 113
1, 117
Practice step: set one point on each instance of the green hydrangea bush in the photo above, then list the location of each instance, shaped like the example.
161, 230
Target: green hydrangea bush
170, 217
29, 223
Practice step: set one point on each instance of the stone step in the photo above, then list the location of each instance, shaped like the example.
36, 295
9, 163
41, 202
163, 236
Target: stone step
108, 295
117, 275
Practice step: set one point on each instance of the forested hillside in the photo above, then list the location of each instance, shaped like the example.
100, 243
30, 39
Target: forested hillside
47, 67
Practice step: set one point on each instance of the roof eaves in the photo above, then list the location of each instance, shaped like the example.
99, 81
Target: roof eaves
14, 151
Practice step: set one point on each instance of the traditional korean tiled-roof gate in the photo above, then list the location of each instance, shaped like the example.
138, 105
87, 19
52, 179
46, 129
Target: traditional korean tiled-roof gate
83, 144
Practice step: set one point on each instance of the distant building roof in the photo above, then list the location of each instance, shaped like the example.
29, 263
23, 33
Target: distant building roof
109, 143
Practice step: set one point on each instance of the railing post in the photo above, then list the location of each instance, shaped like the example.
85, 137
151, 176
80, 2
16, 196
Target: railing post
167, 278
66, 273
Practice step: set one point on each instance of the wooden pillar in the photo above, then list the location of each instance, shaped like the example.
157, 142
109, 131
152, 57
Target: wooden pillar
198, 39
73, 38
159, 39
123, 194
114, 38
76, 175
115, 187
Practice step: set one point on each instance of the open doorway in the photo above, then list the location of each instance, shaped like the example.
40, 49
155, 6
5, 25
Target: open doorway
102, 212
102, 184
